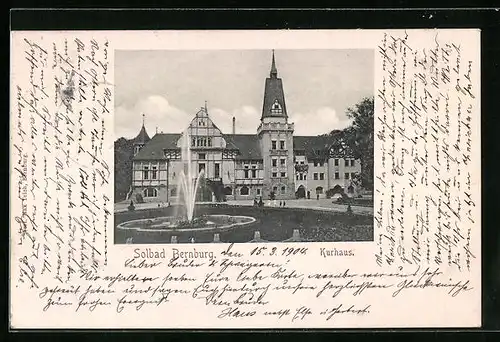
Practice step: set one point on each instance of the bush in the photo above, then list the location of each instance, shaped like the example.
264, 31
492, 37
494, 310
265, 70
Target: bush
131, 206
349, 209
336, 190
139, 199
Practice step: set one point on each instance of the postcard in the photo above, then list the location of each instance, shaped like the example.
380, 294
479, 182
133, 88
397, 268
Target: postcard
245, 179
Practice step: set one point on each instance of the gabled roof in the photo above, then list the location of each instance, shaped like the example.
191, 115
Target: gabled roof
154, 148
318, 147
142, 137
312, 146
247, 144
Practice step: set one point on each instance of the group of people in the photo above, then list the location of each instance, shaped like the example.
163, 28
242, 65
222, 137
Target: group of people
260, 203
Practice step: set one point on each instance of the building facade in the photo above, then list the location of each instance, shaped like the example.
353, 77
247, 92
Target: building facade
273, 163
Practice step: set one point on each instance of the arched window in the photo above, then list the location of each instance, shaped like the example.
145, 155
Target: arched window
150, 192
244, 190
228, 190
337, 189
283, 189
276, 108
350, 189
319, 190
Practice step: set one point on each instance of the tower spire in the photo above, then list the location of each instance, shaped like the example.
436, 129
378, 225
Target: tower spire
143, 136
274, 71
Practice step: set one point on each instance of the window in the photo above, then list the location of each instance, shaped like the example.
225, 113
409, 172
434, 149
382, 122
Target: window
150, 192
246, 173
315, 176
321, 163
336, 162
302, 177
283, 190
258, 191
254, 173
302, 163
273, 144
193, 141
201, 167
173, 192
275, 188
275, 162
298, 176
228, 190
353, 175
217, 170
321, 176
346, 175
244, 190
201, 155
154, 172
274, 174
346, 162
146, 172
276, 108
352, 162
137, 149
319, 190
209, 142
337, 176
315, 163
282, 144
283, 175
282, 161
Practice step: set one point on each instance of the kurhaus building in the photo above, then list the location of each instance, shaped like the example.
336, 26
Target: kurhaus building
273, 163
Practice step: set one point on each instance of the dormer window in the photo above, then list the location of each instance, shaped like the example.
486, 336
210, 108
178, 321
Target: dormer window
137, 149
276, 108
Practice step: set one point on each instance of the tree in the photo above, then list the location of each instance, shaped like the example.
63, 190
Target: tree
359, 137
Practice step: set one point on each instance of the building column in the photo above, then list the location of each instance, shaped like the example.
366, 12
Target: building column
168, 181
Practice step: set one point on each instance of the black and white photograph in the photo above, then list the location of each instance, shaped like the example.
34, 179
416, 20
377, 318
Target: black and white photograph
236, 146
246, 179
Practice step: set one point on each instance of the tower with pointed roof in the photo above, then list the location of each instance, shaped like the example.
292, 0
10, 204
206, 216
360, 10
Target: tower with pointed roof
239, 166
141, 139
276, 139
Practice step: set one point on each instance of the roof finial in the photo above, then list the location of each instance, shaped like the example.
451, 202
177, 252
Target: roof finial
206, 110
274, 71
143, 117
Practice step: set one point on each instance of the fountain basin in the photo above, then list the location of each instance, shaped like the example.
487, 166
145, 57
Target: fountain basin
174, 224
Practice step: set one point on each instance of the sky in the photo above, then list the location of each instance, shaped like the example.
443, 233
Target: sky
169, 87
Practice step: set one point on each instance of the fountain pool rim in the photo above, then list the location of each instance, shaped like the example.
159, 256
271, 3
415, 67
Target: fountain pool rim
249, 220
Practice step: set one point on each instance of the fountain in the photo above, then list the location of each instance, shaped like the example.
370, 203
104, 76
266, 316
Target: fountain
188, 185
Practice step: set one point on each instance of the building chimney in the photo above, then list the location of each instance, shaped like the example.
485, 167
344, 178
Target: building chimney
234, 125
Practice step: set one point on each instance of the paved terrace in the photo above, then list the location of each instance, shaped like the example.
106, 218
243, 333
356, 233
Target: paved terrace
313, 204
